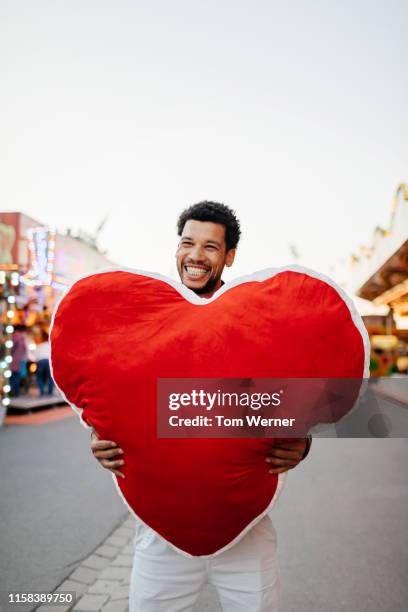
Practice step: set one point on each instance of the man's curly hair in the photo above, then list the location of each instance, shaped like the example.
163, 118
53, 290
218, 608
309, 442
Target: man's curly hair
217, 213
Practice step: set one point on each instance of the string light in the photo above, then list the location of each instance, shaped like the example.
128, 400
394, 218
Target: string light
10, 279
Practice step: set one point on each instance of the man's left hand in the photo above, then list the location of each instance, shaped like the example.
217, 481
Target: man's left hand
285, 454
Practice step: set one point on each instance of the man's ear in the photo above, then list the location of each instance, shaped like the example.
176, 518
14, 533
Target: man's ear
230, 256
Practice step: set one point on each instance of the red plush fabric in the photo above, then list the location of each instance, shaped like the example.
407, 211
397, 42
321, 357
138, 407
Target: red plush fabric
115, 333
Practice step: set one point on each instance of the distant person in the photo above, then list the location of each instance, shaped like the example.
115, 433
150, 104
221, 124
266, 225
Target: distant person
19, 355
43, 374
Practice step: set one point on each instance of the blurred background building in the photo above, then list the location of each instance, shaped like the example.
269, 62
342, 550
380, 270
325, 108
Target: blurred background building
36, 265
377, 278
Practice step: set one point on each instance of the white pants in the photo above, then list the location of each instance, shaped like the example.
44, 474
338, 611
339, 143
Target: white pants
245, 576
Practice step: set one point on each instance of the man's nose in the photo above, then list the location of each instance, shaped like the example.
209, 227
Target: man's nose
196, 252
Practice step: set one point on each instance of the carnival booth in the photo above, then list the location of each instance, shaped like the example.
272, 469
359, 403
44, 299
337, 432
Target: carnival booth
380, 275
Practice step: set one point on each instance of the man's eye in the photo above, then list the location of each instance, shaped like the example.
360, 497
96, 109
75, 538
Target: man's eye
211, 247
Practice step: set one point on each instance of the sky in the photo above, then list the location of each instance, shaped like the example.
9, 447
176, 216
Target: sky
292, 113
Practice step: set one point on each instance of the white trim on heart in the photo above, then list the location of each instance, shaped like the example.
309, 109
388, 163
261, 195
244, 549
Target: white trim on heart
190, 296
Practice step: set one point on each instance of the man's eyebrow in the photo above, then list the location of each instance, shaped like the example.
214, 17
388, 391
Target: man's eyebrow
215, 242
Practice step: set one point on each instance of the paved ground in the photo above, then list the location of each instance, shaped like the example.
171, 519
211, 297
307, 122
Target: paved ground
50, 486
342, 525
101, 581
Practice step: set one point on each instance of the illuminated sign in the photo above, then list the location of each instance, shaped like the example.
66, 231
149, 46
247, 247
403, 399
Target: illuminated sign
41, 245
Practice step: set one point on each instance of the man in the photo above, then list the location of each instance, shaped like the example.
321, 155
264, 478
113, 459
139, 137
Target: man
246, 576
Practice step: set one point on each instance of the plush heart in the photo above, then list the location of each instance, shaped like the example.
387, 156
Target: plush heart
115, 333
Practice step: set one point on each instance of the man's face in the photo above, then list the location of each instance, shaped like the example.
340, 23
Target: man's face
202, 255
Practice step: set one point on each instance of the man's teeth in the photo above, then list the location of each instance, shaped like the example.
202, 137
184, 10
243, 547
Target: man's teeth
196, 271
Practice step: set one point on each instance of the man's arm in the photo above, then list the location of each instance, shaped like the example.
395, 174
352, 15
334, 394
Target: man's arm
287, 453
283, 456
106, 452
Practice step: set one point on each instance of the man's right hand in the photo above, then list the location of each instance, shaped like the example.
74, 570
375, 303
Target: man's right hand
106, 452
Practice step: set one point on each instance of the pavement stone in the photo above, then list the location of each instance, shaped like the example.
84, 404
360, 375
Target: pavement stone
72, 585
84, 574
90, 603
103, 587
125, 532
107, 551
129, 549
116, 606
123, 561
96, 562
121, 592
116, 540
115, 573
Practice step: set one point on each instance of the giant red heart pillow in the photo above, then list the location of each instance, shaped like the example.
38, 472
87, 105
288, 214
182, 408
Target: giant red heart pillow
115, 333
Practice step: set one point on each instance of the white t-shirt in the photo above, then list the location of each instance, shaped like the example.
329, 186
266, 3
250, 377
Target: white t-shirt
42, 351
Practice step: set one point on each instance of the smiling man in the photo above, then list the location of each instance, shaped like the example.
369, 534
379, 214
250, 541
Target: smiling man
205, 247
246, 576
